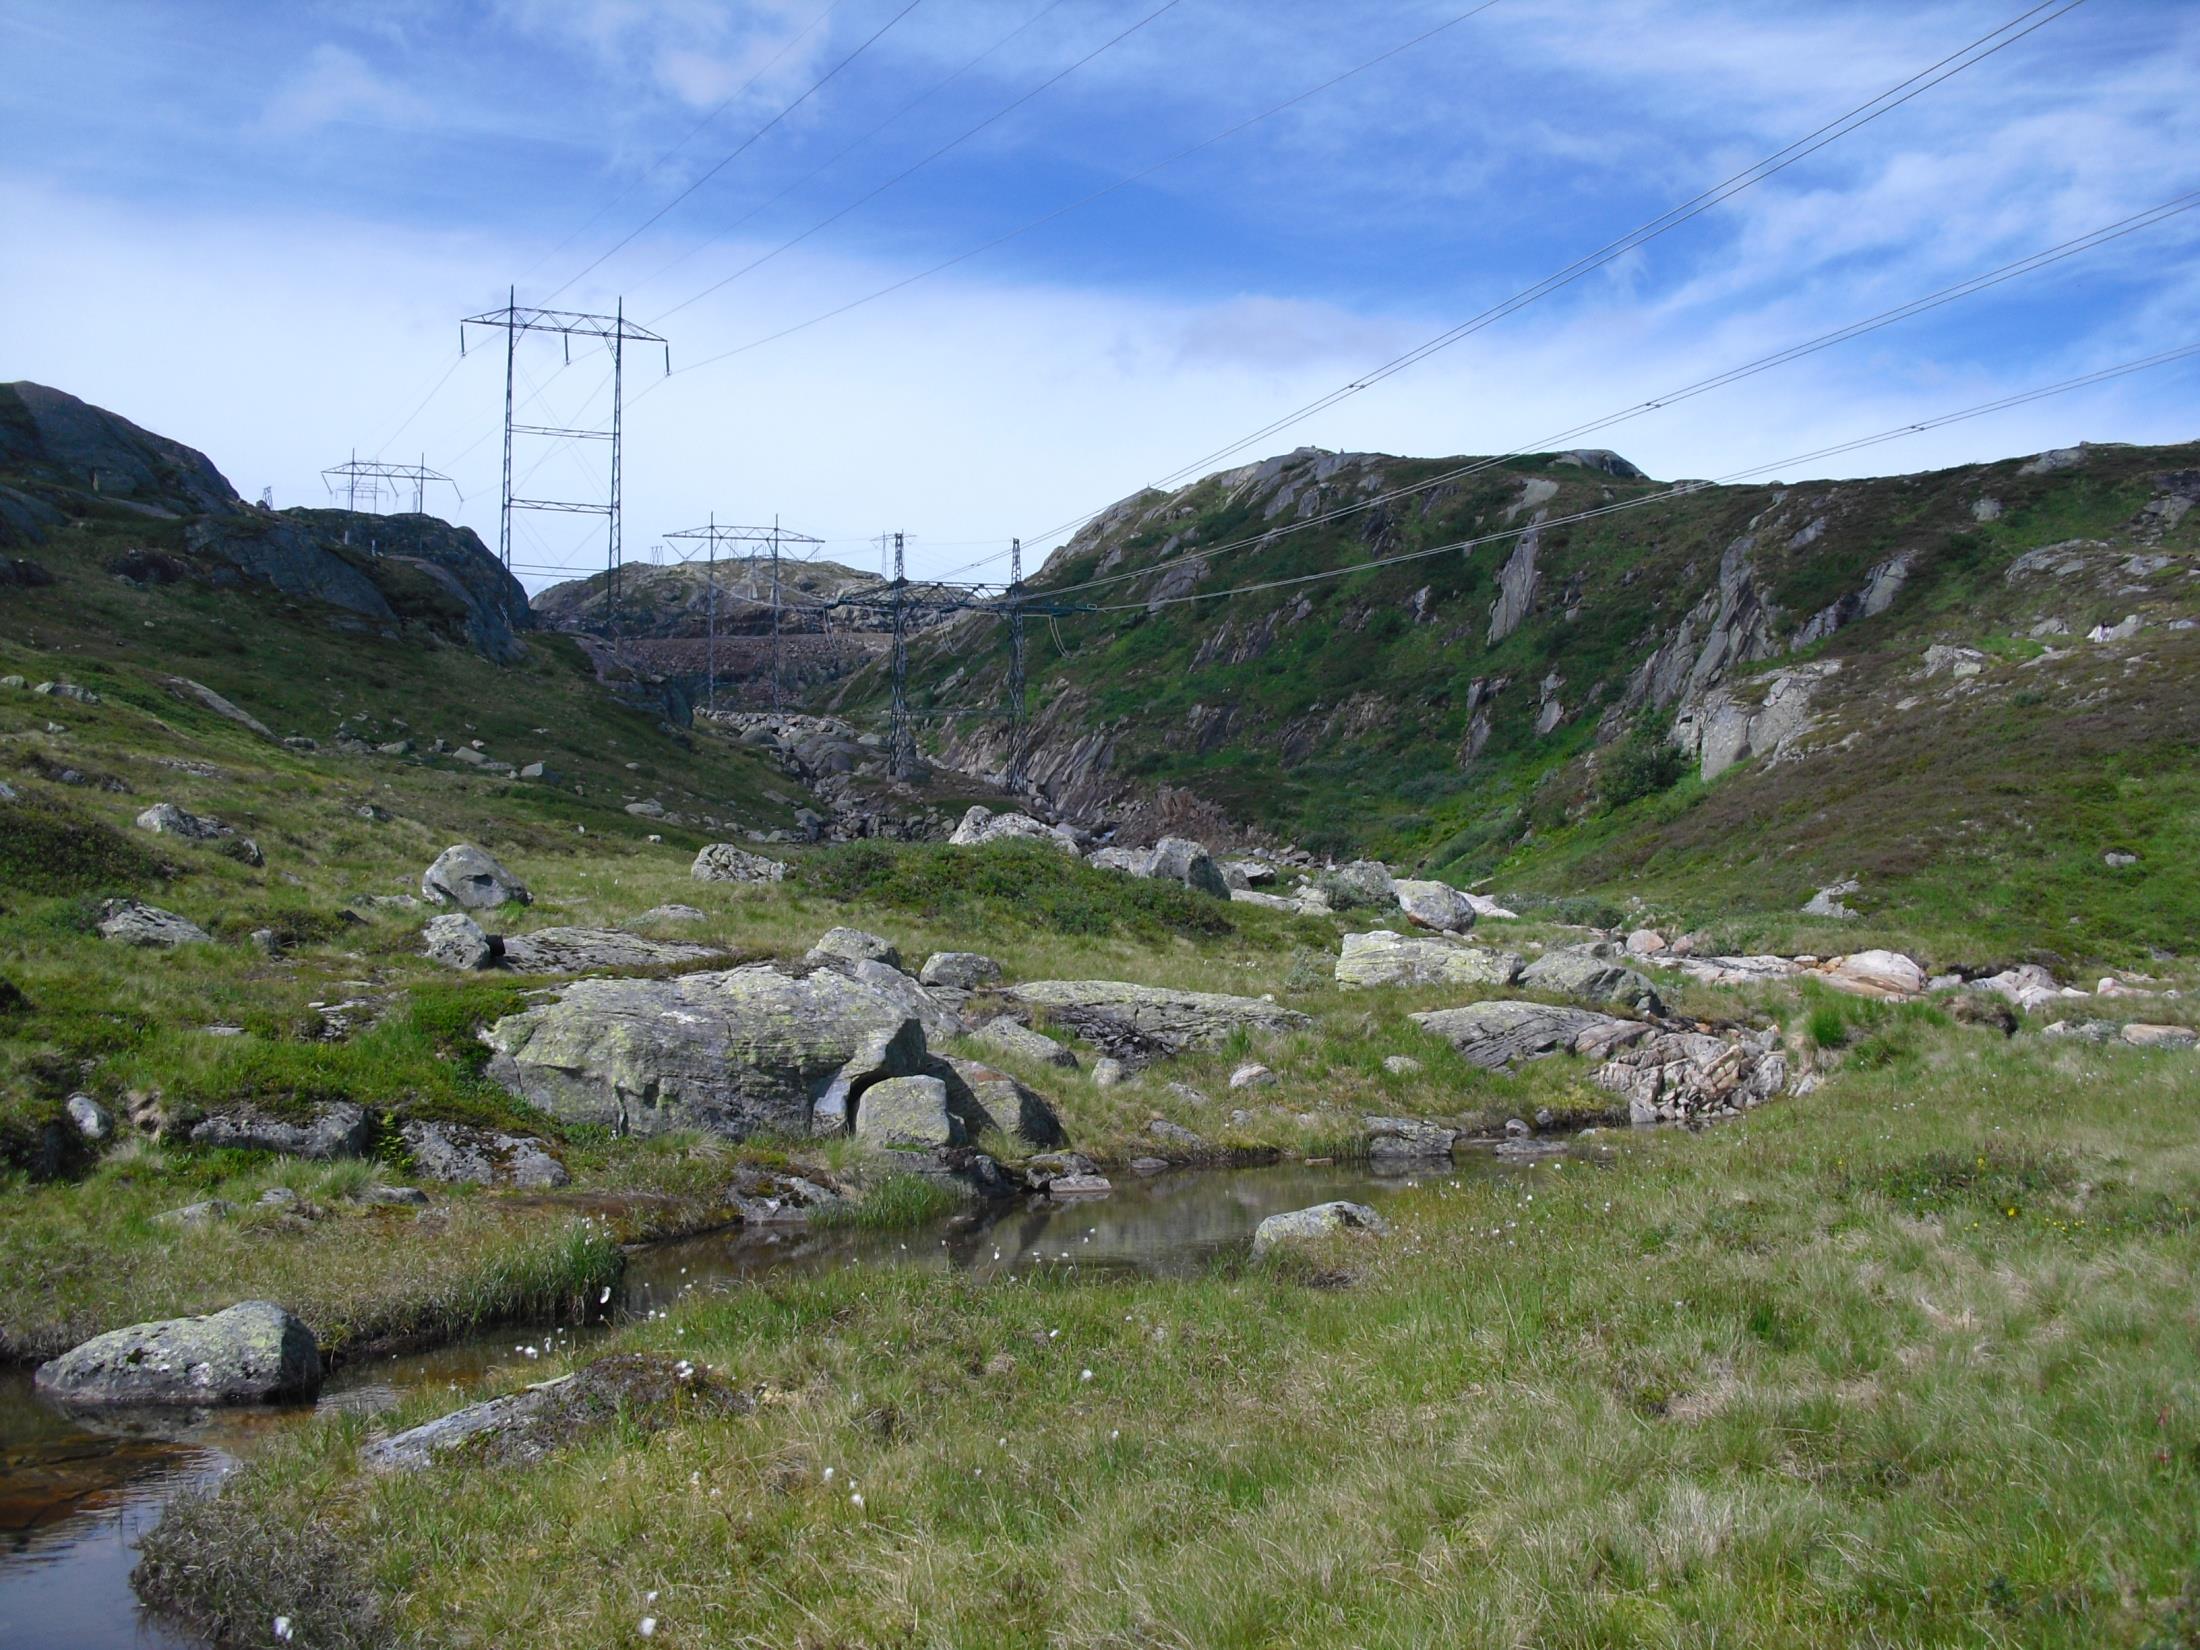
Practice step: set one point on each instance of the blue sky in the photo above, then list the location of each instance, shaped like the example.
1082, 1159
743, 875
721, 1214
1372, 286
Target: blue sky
254, 227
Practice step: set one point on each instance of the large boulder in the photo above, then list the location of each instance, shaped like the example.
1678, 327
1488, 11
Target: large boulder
336, 1129
252, 1353
1172, 859
1495, 1034
982, 825
1406, 1139
1139, 1023
932, 1010
1384, 958
471, 879
1435, 905
905, 1112
959, 970
1676, 1076
1887, 975
456, 941
1310, 1225
1363, 882
458, 1154
723, 862
839, 947
740, 1052
133, 922
584, 950
1593, 979
988, 1099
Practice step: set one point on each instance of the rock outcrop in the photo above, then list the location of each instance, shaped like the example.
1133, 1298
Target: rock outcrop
724, 862
1172, 859
1139, 1023
1385, 958
1591, 978
584, 950
1495, 1034
337, 1128
981, 825
457, 1154
1682, 1076
132, 922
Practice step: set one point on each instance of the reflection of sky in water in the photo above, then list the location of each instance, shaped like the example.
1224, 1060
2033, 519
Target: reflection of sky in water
75, 1498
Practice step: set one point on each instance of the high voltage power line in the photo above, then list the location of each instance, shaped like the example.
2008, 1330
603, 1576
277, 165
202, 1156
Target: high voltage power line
1793, 352
1995, 40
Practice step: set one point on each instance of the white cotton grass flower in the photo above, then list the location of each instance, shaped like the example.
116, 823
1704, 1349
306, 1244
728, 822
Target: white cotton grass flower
649, 1627
1085, 1375
282, 1628
855, 1498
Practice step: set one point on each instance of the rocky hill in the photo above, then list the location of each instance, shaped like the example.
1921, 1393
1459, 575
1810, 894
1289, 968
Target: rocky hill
1782, 684
661, 617
77, 480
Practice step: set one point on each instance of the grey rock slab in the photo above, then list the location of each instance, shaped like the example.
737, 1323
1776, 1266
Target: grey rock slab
907, 1111
1495, 1034
470, 878
1079, 1185
250, 1353
1407, 1137
1575, 973
132, 922
1384, 958
336, 1129
1140, 1022
723, 862
933, 1010
1252, 1075
1311, 1225
988, 1099
1888, 975
584, 950
457, 1154
1011, 1037
671, 913
418, 1447
1174, 1135
737, 1052
204, 1213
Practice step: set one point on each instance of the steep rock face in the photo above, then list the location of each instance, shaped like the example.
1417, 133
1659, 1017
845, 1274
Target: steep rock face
49, 435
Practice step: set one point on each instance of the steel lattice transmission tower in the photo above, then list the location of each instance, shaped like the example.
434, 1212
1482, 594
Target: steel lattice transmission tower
712, 536
1015, 604
357, 476
616, 332
904, 736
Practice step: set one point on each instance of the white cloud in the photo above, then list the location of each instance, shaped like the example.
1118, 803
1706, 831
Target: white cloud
333, 85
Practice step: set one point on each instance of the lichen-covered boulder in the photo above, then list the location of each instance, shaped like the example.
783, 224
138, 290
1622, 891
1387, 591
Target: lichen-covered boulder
982, 825
838, 947
470, 878
166, 819
1495, 1034
959, 970
1384, 958
1310, 1225
457, 1154
905, 1112
1396, 1139
1435, 905
585, 950
1010, 1037
252, 1353
1139, 1023
456, 941
988, 1099
1172, 859
737, 1052
723, 862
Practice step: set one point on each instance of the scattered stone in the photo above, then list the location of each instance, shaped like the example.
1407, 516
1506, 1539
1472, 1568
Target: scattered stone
243, 850
1495, 1034
252, 1353
1402, 1065
932, 1010
1516, 1128
197, 1214
336, 1128
266, 941
2028, 985
1958, 662
1435, 905
1392, 1139
132, 922
1385, 958
959, 970
982, 825
92, 1119
1252, 1075
456, 941
408, 1197
1578, 973
2121, 631
166, 819
1079, 1185
765, 1197
589, 950
457, 1154
1677, 1076
278, 1197
1108, 1072
740, 1052
1012, 1038
1175, 1135
2116, 859
907, 1111
1321, 1221
1363, 882
1645, 942
1137, 1023
671, 913
2160, 1036
1753, 970
1883, 974
465, 876
840, 946
1150, 1165
184, 688
723, 862
1827, 901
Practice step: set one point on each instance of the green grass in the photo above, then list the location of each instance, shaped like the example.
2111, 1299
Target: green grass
1906, 1361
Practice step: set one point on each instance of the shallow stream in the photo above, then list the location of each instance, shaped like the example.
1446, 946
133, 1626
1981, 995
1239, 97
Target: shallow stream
77, 1496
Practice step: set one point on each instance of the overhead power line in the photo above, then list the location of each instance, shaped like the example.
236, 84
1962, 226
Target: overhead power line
1764, 363
740, 148
1985, 46
1678, 490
